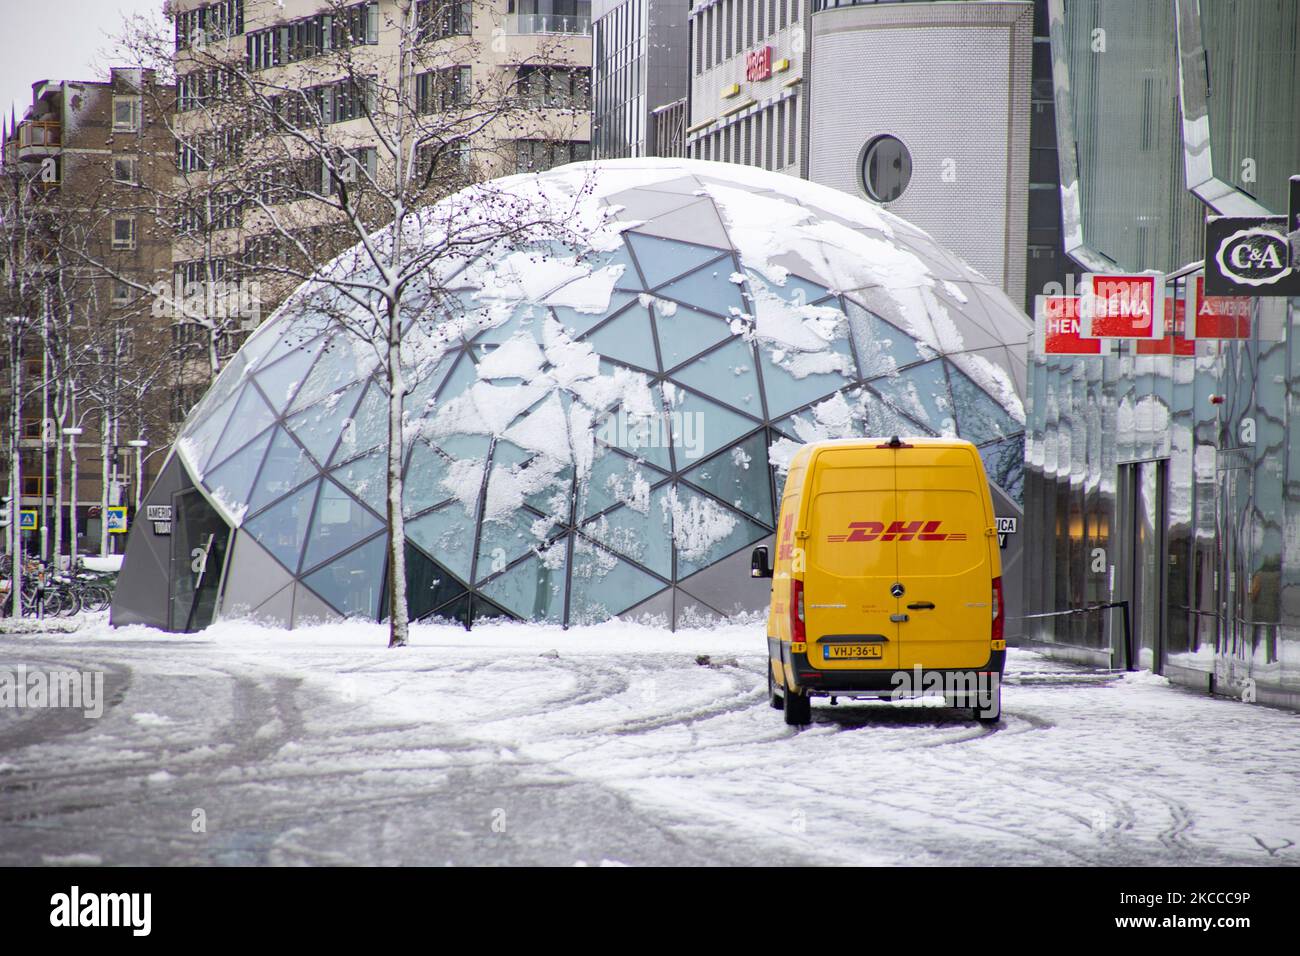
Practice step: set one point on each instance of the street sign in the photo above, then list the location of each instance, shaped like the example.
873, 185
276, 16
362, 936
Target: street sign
1249, 256
29, 520
1218, 316
1175, 341
1056, 327
117, 519
1122, 306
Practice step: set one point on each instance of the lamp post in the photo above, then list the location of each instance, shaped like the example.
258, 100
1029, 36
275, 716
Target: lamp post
71, 433
139, 444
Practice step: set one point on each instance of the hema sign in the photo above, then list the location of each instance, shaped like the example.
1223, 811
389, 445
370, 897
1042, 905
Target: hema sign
1056, 328
1123, 305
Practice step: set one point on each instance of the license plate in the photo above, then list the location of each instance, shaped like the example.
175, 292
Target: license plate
853, 652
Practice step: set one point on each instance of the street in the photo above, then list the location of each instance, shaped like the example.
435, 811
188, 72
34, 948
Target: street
525, 744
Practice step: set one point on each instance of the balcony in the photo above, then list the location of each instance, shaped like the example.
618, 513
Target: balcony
39, 139
528, 24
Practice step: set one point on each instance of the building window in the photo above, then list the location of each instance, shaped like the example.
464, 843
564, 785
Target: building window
121, 292
124, 232
441, 90
537, 155
436, 19
124, 170
886, 168
126, 114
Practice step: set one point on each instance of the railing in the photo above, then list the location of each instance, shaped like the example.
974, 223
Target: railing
1128, 636
524, 24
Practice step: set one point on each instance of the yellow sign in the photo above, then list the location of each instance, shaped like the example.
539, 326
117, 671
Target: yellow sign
730, 91
780, 66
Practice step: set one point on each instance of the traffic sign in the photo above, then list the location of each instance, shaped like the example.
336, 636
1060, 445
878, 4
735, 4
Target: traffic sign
1218, 316
1056, 327
29, 520
1122, 305
117, 519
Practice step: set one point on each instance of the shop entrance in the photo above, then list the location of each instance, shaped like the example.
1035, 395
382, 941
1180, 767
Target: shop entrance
198, 555
1140, 571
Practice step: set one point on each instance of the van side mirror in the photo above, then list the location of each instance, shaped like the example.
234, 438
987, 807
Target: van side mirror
758, 566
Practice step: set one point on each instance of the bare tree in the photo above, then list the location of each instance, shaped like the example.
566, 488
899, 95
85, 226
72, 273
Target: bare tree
348, 150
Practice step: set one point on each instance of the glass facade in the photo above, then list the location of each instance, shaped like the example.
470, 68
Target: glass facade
1167, 482
602, 431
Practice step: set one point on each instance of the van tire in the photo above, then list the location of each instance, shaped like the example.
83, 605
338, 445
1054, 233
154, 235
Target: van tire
994, 714
774, 699
798, 708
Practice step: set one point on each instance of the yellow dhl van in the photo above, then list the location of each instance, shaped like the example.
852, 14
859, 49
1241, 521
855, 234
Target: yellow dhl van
887, 579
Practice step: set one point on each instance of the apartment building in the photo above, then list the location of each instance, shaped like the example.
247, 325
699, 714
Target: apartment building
83, 169
335, 66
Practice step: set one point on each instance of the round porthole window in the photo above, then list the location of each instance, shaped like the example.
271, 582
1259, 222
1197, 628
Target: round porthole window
886, 168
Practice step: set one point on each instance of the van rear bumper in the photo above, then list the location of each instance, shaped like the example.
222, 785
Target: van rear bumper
811, 680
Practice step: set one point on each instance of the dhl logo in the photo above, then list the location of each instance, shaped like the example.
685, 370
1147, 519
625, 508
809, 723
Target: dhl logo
897, 531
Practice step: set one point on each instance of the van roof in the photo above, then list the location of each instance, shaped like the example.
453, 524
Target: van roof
884, 441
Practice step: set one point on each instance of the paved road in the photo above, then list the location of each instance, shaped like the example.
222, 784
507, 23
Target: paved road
321, 755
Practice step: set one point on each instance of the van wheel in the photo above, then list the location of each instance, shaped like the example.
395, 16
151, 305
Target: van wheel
798, 708
773, 698
993, 714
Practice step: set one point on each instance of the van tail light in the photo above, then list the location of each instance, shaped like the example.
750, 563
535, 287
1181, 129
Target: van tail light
999, 615
797, 631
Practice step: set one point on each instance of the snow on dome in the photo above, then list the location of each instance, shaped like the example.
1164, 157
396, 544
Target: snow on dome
602, 431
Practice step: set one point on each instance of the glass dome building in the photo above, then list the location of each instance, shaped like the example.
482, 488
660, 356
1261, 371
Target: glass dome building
591, 432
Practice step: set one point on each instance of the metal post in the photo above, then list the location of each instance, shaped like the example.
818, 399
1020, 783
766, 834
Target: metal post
1128, 638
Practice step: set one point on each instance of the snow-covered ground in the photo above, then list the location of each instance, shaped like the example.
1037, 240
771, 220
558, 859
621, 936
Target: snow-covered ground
527, 744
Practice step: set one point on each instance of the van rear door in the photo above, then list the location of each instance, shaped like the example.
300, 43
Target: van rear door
847, 601
944, 559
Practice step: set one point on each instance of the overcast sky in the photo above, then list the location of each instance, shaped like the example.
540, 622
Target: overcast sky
57, 40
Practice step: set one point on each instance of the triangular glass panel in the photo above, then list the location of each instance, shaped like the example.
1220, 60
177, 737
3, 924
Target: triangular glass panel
232, 481
700, 426
727, 375
601, 585
369, 426
279, 380
533, 588
367, 478
705, 532
248, 418
353, 583
790, 379
422, 487
340, 522
639, 529
709, 289
578, 323
739, 476
1004, 462
445, 535
504, 538
921, 392
202, 433
979, 417
627, 338
282, 528
427, 585
663, 259
321, 426
341, 362
287, 466
882, 348
685, 332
